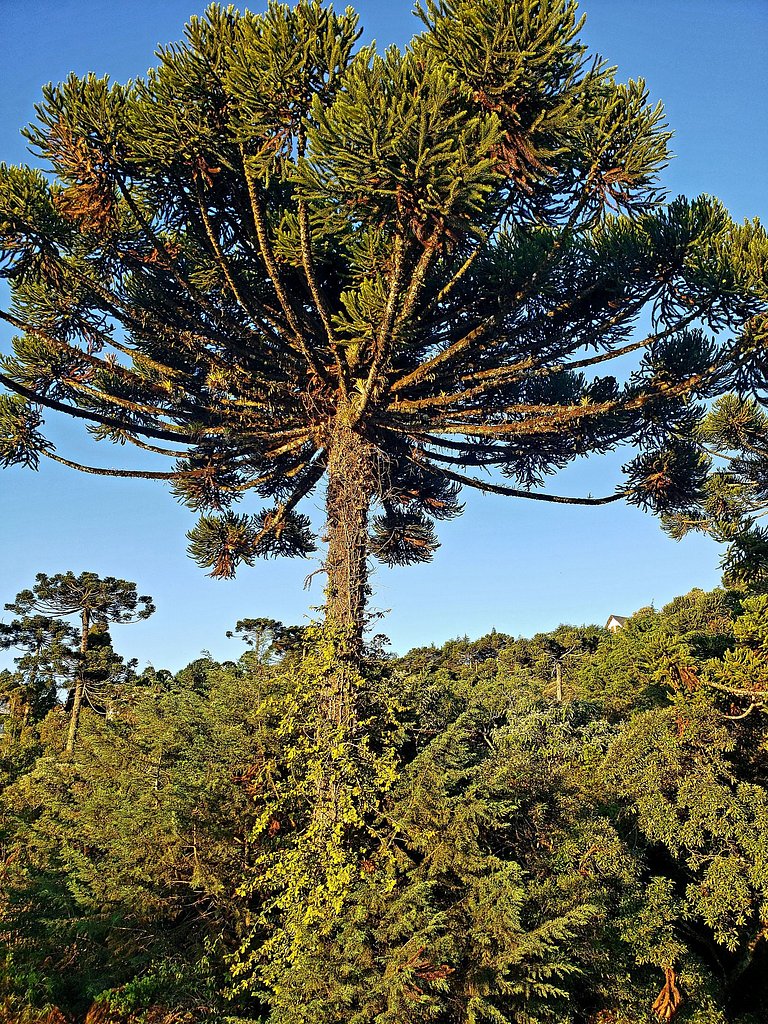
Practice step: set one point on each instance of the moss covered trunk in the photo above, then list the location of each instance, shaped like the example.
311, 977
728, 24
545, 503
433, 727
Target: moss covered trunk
350, 488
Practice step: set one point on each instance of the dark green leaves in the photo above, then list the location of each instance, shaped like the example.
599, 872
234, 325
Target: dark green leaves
666, 480
103, 599
21, 443
402, 537
222, 542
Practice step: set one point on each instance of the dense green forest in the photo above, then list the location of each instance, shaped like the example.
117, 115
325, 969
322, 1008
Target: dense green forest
571, 827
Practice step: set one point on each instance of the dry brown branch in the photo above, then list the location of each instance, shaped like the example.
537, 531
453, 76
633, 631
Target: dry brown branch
669, 999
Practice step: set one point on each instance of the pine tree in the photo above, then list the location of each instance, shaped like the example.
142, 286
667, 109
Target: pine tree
48, 655
281, 258
96, 602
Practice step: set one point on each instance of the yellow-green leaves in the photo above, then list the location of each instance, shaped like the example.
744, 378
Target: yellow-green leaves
400, 148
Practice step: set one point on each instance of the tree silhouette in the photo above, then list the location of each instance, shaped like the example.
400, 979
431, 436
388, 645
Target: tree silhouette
47, 657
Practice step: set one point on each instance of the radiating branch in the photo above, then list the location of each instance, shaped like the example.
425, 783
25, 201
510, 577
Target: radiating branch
262, 234
133, 474
515, 492
308, 260
166, 433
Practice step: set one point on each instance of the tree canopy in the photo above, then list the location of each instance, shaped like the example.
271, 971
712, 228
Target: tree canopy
96, 602
282, 261
600, 859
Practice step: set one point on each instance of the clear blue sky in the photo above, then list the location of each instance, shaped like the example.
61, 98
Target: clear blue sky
514, 565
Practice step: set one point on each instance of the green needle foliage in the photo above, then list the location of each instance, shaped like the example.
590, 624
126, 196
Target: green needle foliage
514, 859
282, 257
47, 659
733, 443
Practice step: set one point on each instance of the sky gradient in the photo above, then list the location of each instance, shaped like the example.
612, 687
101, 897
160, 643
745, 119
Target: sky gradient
518, 566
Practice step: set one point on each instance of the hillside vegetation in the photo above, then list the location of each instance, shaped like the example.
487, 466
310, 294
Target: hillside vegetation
567, 828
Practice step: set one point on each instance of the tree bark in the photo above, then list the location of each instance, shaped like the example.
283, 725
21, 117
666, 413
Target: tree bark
77, 701
351, 479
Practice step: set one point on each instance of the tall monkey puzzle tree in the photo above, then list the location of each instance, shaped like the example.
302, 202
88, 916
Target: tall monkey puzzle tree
282, 258
95, 600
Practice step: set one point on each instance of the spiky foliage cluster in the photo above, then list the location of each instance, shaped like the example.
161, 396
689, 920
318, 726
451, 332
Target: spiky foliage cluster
103, 600
732, 450
276, 232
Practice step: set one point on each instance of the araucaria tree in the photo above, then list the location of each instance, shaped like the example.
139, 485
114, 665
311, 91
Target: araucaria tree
96, 601
282, 258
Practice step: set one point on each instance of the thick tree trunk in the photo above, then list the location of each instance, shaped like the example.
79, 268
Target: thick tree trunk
77, 701
348, 498
350, 487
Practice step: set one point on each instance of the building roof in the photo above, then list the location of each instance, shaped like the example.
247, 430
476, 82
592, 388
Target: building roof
617, 620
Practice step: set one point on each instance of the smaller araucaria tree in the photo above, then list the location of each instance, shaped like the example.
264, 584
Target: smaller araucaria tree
47, 655
95, 601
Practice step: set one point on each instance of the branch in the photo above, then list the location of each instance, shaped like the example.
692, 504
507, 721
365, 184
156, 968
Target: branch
486, 236
97, 471
161, 247
322, 309
110, 367
385, 329
738, 718
115, 307
219, 252
163, 434
520, 297
260, 224
275, 475
392, 323
171, 265
537, 365
514, 492
125, 403
552, 417
266, 322
304, 487
290, 446
445, 355
499, 376
736, 691
151, 447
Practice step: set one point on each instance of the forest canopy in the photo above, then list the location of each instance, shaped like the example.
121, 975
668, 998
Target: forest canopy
597, 854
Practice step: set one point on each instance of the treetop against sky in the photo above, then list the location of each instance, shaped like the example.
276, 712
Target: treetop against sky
128, 522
